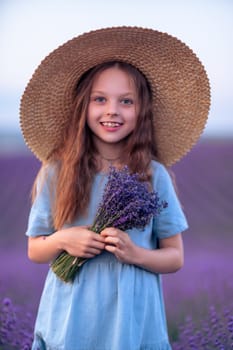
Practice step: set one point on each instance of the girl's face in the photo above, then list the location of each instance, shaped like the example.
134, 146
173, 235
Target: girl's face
112, 110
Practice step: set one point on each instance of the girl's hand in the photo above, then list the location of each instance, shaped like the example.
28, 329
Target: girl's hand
168, 258
120, 244
81, 242
77, 241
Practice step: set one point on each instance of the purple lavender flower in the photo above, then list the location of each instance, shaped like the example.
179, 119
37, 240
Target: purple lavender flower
127, 203
215, 332
15, 327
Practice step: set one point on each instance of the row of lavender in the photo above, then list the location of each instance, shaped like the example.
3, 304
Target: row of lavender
198, 298
204, 286
214, 331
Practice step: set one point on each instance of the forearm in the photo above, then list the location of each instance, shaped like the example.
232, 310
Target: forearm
164, 260
76, 241
167, 258
43, 249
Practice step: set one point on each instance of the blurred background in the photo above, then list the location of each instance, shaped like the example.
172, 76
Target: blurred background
29, 30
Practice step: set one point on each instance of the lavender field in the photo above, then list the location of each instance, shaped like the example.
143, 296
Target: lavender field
198, 298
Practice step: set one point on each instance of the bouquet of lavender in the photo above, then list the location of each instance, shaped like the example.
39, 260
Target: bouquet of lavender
127, 203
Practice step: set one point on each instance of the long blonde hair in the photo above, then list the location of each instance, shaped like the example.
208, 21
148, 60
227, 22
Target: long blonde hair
75, 159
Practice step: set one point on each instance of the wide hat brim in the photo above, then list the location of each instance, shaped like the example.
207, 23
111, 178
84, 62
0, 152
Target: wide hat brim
179, 83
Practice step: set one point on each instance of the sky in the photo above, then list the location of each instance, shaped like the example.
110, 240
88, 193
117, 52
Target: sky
31, 29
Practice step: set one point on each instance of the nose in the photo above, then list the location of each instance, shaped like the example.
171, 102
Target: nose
112, 114
112, 109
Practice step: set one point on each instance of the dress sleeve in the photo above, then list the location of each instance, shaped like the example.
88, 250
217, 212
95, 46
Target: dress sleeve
40, 220
172, 219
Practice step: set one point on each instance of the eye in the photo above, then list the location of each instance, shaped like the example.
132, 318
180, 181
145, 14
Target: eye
127, 101
99, 99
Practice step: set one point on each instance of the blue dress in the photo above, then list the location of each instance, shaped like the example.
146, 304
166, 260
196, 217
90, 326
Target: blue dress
110, 305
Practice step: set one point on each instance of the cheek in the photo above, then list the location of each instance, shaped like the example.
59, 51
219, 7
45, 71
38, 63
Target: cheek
134, 119
91, 125
89, 118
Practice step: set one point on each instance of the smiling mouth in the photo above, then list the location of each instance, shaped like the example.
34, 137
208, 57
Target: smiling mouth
111, 124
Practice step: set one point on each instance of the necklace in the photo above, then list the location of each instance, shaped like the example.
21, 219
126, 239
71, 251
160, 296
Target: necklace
110, 161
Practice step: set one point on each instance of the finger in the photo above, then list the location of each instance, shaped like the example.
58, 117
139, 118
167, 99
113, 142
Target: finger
94, 236
92, 251
92, 239
97, 237
109, 231
98, 245
113, 240
111, 249
88, 255
114, 250
94, 244
95, 251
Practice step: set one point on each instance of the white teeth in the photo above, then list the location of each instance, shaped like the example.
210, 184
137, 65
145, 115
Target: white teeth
110, 124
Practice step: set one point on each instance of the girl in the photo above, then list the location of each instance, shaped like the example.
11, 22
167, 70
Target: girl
87, 115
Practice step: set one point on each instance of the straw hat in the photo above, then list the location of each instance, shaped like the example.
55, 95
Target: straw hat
180, 87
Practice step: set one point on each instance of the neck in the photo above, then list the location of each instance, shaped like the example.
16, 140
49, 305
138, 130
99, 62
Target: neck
106, 161
108, 153
109, 159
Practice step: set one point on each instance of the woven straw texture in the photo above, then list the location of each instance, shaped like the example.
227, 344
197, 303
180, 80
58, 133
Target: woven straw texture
180, 87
